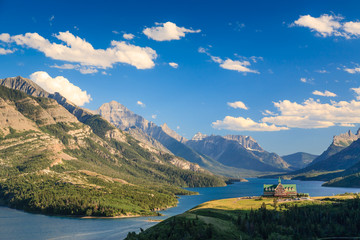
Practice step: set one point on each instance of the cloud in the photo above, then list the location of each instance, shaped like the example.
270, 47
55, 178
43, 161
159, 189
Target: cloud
177, 127
237, 104
80, 51
141, 104
5, 37
314, 114
167, 31
245, 124
235, 65
325, 25
256, 59
352, 28
321, 71
268, 112
329, 25
81, 69
239, 66
51, 19
200, 49
61, 85
306, 80
115, 32
324, 94
237, 26
174, 65
5, 51
357, 91
128, 36
154, 116
353, 70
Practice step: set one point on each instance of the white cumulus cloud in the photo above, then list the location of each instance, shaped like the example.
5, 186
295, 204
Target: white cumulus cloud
75, 49
128, 36
326, 93
239, 66
352, 28
5, 51
325, 25
329, 25
61, 85
245, 124
314, 114
141, 104
352, 70
167, 31
237, 104
174, 65
235, 65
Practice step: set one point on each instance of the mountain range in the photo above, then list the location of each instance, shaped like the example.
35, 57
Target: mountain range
53, 163
231, 155
111, 161
339, 164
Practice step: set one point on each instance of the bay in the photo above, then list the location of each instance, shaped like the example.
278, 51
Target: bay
15, 224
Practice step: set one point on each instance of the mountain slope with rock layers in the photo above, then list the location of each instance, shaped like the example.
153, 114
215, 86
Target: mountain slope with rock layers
52, 163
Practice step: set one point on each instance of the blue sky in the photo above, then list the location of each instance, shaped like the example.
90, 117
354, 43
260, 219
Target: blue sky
286, 73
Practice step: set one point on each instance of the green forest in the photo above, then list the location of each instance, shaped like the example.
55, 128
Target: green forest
328, 217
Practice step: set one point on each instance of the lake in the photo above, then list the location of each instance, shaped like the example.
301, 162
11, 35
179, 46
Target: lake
15, 224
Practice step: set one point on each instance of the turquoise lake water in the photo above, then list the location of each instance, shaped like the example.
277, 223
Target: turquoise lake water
15, 224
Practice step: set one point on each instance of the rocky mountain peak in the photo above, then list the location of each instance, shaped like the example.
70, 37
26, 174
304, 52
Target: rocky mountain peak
24, 85
172, 133
345, 139
120, 116
246, 141
199, 136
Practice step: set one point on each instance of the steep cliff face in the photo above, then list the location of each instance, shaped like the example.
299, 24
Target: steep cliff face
246, 141
345, 139
172, 133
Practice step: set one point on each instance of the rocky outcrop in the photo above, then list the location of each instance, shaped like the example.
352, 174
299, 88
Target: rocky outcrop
10, 118
172, 133
345, 139
246, 141
339, 143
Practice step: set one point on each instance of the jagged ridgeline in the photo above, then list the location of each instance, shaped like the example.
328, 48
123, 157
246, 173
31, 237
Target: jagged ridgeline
54, 164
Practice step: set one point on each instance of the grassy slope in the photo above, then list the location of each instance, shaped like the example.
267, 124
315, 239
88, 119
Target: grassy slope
93, 175
219, 219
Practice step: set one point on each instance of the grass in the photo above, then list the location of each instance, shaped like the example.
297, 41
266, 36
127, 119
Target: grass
226, 219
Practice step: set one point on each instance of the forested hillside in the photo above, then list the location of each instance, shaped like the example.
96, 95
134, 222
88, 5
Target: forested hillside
54, 164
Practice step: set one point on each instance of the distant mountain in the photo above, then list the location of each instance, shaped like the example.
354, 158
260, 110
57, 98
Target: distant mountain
230, 151
299, 160
246, 141
161, 138
339, 143
325, 164
131, 123
52, 163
